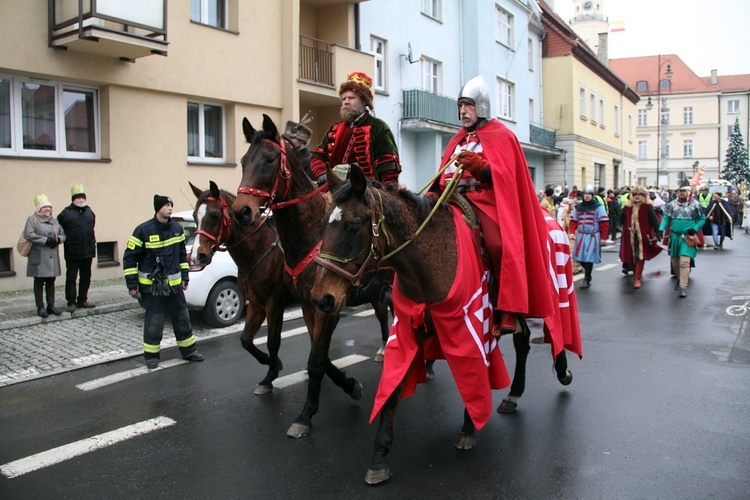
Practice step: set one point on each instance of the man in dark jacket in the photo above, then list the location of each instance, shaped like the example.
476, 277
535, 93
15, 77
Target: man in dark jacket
78, 220
155, 264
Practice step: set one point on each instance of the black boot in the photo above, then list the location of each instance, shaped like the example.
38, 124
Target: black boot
42, 312
53, 310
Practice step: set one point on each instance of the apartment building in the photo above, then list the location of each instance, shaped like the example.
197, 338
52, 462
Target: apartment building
591, 109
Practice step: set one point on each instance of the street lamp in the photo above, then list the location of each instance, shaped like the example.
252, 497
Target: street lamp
662, 115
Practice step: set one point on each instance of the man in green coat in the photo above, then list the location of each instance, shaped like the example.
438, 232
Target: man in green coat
684, 216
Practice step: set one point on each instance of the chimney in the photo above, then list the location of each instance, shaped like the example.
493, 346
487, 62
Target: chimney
602, 51
714, 77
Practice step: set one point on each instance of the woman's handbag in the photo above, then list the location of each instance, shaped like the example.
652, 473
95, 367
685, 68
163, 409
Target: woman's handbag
24, 245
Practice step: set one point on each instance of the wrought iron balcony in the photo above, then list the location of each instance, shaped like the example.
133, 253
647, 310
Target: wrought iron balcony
124, 29
542, 136
431, 107
316, 58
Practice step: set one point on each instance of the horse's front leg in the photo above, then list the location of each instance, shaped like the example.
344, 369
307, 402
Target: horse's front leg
381, 313
521, 343
564, 375
467, 438
378, 470
275, 324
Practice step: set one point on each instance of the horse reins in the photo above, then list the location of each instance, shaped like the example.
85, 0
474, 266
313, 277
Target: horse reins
225, 230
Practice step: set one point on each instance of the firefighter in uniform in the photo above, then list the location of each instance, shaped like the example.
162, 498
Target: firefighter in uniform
157, 248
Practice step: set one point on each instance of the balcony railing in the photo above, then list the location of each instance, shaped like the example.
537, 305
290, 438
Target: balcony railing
125, 29
424, 105
316, 61
542, 137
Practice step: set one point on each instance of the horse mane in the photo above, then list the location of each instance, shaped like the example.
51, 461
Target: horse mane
422, 205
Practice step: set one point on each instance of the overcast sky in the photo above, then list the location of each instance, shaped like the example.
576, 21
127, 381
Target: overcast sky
706, 35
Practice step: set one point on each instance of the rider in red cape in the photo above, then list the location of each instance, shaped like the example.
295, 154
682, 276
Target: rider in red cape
563, 329
507, 201
462, 323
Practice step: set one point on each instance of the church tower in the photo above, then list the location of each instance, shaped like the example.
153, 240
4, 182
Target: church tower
589, 21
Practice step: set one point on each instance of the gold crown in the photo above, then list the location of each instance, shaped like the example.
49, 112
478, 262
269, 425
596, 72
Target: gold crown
360, 77
77, 189
40, 198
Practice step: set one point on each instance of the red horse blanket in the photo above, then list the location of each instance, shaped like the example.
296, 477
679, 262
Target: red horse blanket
462, 322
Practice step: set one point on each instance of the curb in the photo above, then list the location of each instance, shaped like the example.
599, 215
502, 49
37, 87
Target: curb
78, 313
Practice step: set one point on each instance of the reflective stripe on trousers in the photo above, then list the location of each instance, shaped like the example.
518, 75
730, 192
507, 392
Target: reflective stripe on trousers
153, 326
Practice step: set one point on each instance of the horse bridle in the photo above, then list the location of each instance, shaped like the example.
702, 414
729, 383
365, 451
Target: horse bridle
225, 230
377, 246
285, 175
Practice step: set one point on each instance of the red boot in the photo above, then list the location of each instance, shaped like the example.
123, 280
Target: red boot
638, 273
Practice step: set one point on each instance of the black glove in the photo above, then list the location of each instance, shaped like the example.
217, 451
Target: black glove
51, 242
321, 180
690, 232
660, 234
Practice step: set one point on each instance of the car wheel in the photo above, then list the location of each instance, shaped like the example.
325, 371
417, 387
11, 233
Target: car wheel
224, 304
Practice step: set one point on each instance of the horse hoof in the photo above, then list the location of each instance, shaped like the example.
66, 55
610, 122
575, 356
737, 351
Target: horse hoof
377, 476
297, 431
465, 441
430, 374
567, 379
508, 405
356, 393
378, 358
262, 390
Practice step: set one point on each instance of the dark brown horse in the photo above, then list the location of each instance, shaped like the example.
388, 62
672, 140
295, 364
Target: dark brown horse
373, 222
272, 178
260, 272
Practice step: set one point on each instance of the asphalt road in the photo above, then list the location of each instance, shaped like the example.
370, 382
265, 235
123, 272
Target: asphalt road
658, 408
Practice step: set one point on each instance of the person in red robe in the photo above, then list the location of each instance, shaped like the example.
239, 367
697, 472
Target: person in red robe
639, 242
497, 182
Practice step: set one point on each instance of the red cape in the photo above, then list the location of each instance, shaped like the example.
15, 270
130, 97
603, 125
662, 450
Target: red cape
563, 329
525, 286
463, 338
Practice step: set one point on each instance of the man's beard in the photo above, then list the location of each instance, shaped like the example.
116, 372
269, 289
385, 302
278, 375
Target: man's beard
351, 113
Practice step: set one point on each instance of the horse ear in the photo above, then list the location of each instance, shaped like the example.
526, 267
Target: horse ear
196, 190
358, 180
269, 128
247, 129
214, 189
333, 180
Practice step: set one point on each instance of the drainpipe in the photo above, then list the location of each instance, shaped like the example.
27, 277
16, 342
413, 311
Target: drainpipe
357, 45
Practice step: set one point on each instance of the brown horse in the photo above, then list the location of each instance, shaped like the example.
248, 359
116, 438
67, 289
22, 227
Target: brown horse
369, 222
273, 178
260, 265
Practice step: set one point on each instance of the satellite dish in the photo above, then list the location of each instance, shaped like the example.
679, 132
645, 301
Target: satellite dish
408, 52
409, 55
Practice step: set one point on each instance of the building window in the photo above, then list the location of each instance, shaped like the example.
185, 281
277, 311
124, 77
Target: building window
506, 96
687, 148
106, 254
601, 111
210, 12
582, 101
205, 131
378, 50
617, 120
733, 106
642, 118
630, 128
665, 116
504, 27
687, 115
730, 130
431, 8
641, 86
430, 75
592, 106
667, 147
48, 119
665, 85
532, 117
531, 54
642, 150
5, 267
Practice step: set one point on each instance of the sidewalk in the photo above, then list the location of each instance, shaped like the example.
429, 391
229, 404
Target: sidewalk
32, 347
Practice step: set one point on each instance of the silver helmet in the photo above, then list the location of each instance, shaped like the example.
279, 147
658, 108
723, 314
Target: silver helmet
589, 189
476, 90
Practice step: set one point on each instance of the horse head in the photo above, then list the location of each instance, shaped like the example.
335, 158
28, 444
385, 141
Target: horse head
352, 241
267, 171
213, 220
